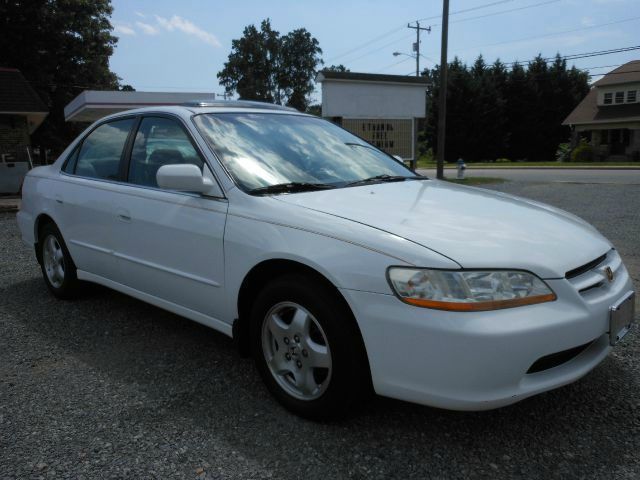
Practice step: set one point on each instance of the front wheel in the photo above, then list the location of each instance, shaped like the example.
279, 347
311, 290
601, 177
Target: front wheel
308, 348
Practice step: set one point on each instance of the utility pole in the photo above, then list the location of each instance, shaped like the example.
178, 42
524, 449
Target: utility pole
416, 46
442, 108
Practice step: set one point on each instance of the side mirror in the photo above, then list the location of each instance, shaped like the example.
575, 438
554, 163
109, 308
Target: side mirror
184, 178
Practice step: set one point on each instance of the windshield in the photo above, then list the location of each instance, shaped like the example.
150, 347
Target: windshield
265, 149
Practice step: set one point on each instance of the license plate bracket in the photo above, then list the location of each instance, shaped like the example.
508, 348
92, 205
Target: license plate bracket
621, 316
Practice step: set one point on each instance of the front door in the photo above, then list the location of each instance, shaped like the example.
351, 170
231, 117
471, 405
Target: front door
619, 141
169, 244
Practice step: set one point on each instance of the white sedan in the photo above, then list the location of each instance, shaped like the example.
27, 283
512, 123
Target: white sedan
336, 267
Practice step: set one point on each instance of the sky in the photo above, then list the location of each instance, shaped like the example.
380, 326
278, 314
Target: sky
181, 45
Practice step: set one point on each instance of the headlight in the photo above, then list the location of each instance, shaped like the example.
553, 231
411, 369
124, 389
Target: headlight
468, 291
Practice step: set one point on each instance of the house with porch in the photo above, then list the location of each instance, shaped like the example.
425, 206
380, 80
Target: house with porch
21, 112
609, 116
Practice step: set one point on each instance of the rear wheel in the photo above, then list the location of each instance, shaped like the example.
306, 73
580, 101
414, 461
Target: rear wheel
58, 269
307, 347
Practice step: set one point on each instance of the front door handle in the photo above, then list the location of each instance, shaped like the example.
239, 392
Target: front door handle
124, 215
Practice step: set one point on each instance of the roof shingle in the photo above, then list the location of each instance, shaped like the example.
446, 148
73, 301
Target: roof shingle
372, 77
627, 73
16, 95
588, 112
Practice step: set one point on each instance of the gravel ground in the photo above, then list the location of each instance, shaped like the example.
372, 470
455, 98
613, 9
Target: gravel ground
109, 387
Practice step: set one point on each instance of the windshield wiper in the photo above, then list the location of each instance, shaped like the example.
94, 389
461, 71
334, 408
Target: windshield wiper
290, 187
363, 145
380, 178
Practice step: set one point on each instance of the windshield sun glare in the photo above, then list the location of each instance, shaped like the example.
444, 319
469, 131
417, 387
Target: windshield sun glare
266, 149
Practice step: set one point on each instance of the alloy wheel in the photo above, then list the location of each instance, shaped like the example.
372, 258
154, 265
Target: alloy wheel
53, 259
296, 350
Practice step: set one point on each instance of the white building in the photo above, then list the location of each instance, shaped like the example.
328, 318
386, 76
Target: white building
382, 109
92, 105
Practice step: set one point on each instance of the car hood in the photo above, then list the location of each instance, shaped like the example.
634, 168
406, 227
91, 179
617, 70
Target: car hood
474, 227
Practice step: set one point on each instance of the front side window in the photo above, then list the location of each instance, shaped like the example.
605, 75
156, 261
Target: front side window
608, 98
619, 97
70, 164
159, 141
101, 151
265, 149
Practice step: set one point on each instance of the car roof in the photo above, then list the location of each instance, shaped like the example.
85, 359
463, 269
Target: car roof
194, 108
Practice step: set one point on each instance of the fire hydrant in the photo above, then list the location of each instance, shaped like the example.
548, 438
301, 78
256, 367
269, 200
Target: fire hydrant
461, 168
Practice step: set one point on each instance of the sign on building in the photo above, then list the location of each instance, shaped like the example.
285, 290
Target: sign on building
394, 136
381, 109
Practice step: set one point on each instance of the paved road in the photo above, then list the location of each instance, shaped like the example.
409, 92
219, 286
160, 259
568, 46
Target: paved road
110, 387
625, 177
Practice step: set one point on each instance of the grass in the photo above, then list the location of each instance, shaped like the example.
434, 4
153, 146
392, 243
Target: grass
476, 180
427, 163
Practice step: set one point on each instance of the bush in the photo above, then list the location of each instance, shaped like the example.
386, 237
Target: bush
502, 160
582, 153
425, 154
563, 153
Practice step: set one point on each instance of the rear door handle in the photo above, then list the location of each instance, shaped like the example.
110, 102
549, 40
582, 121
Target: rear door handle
124, 215
59, 199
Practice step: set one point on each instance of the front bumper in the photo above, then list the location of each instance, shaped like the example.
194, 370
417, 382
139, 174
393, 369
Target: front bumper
480, 360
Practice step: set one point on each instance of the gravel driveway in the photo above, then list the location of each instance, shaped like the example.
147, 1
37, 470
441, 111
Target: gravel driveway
109, 387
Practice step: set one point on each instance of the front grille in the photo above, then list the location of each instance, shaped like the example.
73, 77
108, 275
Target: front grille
586, 267
592, 277
556, 359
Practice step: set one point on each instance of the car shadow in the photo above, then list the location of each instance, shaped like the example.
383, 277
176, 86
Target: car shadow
190, 375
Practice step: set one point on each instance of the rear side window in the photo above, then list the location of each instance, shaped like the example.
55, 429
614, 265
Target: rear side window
101, 151
159, 141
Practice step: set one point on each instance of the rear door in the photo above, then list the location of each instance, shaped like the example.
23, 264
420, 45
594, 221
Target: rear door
84, 200
169, 244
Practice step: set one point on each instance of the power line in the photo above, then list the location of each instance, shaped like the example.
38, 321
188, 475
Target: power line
554, 33
466, 10
540, 4
377, 49
600, 52
406, 59
366, 44
614, 73
392, 31
577, 56
603, 66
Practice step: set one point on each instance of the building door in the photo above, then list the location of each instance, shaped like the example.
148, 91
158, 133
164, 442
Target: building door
619, 141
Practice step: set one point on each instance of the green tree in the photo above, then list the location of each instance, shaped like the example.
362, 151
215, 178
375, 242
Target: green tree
519, 100
487, 138
299, 58
62, 47
265, 66
494, 112
251, 69
336, 68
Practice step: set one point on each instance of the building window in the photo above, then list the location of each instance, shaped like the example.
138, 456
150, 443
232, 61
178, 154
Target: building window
619, 97
631, 96
608, 98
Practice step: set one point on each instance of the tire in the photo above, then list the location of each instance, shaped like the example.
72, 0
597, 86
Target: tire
308, 349
58, 269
